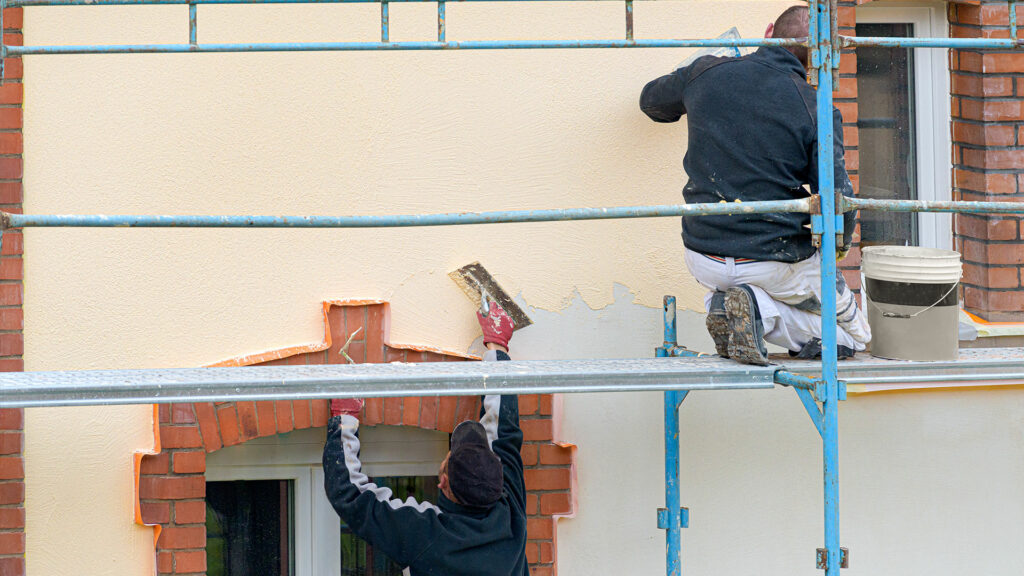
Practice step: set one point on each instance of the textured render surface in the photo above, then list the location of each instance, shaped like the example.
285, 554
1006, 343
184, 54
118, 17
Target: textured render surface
319, 133
342, 133
78, 469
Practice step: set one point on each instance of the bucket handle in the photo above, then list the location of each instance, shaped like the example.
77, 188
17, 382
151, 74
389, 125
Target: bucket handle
867, 298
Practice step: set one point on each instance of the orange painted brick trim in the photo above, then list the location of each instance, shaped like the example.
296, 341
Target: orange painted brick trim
282, 353
987, 323
137, 473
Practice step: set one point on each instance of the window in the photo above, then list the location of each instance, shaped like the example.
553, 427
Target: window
248, 528
903, 126
296, 531
885, 96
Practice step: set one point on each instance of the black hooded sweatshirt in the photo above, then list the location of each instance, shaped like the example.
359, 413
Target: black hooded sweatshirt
752, 136
446, 539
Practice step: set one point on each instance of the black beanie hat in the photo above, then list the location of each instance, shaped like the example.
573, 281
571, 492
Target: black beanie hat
474, 471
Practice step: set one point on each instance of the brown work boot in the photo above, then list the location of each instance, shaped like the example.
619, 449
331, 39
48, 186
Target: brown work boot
746, 334
718, 324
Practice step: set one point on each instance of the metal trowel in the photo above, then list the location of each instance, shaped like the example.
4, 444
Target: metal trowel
480, 287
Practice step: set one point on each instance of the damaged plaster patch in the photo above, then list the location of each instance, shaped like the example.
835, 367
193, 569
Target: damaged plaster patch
622, 329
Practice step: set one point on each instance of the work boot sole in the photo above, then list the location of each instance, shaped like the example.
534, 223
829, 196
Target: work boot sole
717, 323
718, 328
744, 343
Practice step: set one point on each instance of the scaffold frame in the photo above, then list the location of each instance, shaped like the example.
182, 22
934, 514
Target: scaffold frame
819, 392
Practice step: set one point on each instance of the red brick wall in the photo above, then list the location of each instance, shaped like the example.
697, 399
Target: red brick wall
173, 484
12, 468
988, 156
988, 161
845, 96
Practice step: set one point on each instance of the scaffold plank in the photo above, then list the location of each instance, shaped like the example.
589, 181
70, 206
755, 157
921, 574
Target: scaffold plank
99, 387
973, 366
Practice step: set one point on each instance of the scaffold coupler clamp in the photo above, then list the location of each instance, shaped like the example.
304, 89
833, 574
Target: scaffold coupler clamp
684, 518
822, 560
820, 394
818, 224
5, 223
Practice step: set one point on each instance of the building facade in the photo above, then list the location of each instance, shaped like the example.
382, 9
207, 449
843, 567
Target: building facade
930, 478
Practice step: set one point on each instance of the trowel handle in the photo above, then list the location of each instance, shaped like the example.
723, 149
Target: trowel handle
485, 305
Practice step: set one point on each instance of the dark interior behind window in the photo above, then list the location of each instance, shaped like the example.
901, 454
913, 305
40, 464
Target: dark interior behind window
249, 528
887, 135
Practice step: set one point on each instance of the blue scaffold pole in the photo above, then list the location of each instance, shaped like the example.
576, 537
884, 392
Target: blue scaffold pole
671, 518
9, 220
821, 19
673, 536
384, 44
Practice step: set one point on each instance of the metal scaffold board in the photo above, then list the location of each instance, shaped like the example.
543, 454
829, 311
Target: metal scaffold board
98, 387
974, 366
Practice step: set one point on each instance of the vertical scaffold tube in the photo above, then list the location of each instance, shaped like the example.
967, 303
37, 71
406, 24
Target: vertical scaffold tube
672, 401
3, 43
1013, 19
670, 322
384, 24
812, 42
192, 24
822, 19
673, 560
629, 19
440, 21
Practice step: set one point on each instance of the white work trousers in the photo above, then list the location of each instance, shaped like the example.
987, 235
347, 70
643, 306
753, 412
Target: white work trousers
788, 297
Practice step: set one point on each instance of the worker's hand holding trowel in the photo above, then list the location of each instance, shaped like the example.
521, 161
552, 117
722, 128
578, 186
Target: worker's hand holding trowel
497, 313
497, 326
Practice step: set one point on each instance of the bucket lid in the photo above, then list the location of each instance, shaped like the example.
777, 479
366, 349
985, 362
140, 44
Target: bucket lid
911, 264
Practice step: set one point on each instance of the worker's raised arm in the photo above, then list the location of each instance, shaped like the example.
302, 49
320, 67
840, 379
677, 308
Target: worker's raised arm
499, 415
662, 98
402, 530
842, 179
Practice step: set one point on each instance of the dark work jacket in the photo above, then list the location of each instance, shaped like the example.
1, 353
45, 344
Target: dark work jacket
446, 539
752, 136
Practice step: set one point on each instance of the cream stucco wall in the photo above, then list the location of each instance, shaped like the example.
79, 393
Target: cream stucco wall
381, 133
316, 133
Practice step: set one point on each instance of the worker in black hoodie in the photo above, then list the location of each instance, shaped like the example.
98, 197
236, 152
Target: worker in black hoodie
478, 527
752, 124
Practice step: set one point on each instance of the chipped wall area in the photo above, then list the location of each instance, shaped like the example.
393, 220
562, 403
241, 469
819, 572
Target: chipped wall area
929, 481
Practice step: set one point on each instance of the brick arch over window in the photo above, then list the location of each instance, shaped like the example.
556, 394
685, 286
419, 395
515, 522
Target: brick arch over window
172, 482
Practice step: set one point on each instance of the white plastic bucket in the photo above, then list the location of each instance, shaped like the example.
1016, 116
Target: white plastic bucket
912, 301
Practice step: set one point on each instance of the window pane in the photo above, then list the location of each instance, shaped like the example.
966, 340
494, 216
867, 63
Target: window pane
249, 528
357, 557
888, 165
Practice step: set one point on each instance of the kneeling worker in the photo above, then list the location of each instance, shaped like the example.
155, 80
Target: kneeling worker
753, 136
478, 527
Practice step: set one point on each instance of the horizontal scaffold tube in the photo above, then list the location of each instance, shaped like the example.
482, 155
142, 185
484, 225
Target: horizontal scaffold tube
992, 43
794, 380
8, 220
366, 46
850, 204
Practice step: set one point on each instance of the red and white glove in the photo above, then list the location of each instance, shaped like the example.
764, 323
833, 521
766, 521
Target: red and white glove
346, 407
497, 326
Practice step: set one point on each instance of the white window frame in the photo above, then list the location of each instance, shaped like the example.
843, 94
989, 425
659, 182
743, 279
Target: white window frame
296, 456
304, 497
932, 104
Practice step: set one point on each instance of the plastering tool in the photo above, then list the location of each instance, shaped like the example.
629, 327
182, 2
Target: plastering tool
482, 288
